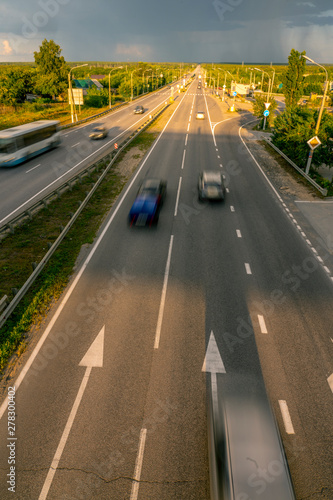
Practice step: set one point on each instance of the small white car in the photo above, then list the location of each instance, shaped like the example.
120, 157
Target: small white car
200, 115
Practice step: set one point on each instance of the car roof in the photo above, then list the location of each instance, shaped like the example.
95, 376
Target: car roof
211, 175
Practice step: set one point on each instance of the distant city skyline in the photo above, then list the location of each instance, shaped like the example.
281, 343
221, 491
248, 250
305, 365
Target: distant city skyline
190, 31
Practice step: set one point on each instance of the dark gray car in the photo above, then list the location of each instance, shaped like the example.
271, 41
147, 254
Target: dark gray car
211, 185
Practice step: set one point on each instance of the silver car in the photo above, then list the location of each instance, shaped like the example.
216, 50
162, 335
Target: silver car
211, 185
98, 132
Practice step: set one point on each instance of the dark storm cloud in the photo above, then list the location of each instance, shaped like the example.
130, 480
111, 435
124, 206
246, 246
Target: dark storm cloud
170, 30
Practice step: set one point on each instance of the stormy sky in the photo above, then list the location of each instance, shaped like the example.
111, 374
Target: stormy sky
168, 30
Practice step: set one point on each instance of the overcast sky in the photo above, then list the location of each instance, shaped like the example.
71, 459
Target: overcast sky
170, 30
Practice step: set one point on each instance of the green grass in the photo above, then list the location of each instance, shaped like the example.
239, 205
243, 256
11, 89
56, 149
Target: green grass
61, 111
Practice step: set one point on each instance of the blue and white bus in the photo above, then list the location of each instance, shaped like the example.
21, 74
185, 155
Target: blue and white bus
19, 144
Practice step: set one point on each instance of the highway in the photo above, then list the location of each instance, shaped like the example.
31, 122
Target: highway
113, 404
29, 182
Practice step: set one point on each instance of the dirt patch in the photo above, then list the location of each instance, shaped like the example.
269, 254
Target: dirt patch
130, 161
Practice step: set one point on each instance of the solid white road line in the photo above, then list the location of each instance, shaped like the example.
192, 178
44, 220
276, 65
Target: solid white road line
33, 168
177, 199
262, 323
64, 437
138, 465
162, 304
286, 417
239, 234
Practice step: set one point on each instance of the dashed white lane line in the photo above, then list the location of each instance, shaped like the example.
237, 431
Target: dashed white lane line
330, 381
177, 198
326, 269
33, 168
221, 165
162, 303
138, 465
262, 324
75, 145
227, 190
186, 139
183, 158
239, 234
286, 417
232, 208
248, 268
188, 127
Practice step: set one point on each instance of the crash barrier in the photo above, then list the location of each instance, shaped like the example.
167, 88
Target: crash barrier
323, 191
20, 293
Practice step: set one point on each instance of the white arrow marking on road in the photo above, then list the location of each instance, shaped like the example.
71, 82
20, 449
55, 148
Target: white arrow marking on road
92, 358
213, 363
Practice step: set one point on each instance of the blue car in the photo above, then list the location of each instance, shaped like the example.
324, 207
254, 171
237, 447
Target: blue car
149, 199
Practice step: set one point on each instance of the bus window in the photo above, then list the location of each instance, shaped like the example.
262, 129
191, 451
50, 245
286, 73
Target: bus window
7, 146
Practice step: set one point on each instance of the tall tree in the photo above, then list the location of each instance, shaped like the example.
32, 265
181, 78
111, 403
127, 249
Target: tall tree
293, 78
15, 83
259, 108
52, 70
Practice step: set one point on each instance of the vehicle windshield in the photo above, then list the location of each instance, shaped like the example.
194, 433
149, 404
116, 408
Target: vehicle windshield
208, 184
7, 146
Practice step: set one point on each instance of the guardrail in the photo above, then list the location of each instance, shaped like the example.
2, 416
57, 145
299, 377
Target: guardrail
323, 191
23, 290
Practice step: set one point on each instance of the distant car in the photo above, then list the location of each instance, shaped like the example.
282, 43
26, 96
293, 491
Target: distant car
211, 185
148, 202
139, 110
98, 132
200, 115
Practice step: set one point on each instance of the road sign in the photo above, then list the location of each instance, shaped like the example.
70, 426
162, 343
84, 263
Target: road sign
266, 112
234, 94
314, 142
77, 96
267, 105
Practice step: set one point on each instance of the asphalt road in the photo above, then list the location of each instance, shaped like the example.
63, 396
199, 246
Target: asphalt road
29, 182
148, 300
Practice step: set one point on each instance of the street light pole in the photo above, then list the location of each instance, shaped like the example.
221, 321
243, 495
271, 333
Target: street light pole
320, 111
71, 91
118, 67
132, 83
